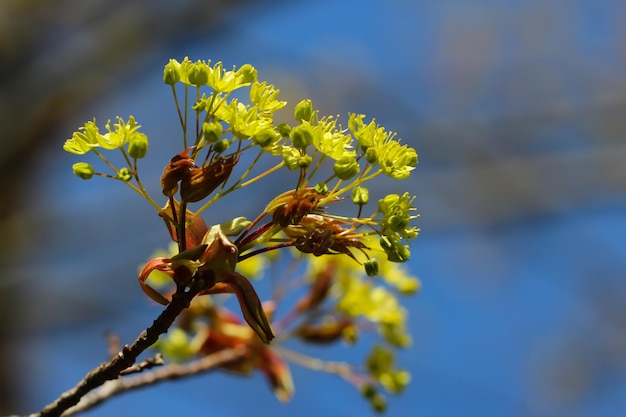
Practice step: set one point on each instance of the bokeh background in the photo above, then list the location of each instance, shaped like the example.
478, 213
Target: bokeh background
516, 108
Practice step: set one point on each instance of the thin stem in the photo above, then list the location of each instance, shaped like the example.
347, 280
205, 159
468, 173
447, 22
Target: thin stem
357, 181
315, 168
106, 161
247, 240
309, 362
197, 117
301, 182
247, 229
180, 115
247, 171
139, 189
185, 117
182, 238
221, 194
263, 174
263, 250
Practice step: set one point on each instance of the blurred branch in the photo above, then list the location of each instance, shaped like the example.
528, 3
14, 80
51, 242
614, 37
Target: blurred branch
126, 358
167, 373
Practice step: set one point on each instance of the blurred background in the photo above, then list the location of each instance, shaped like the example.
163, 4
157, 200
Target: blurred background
518, 113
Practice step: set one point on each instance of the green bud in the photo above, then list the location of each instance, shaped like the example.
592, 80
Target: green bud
360, 195
368, 390
246, 74
198, 73
125, 174
304, 161
321, 188
301, 135
379, 403
265, 137
346, 167
411, 157
303, 111
284, 129
83, 170
212, 131
291, 157
235, 226
221, 146
371, 267
396, 251
371, 155
386, 204
398, 223
350, 334
138, 145
171, 73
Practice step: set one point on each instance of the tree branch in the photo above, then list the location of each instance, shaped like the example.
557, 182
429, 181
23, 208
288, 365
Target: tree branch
166, 373
128, 355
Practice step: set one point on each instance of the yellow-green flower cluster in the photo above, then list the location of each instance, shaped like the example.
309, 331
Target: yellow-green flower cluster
244, 121
380, 364
395, 225
372, 299
178, 344
375, 303
124, 135
376, 146
88, 138
201, 73
362, 288
381, 147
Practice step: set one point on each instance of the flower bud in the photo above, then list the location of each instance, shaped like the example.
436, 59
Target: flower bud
371, 155
198, 73
411, 157
291, 157
301, 136
265, 137
321, 188
346, 167
398, 223
171, 73
212, 131
303, 111
368, 390
396, 251
83, 170
221, 146
235, 226
371, 267
246, 74
284, 129
350, 334
125, 174
360, 195
138, 145
304, 161
379, 403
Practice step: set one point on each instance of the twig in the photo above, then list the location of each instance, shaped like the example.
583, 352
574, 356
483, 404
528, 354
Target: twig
166, 373
128, 355
149, 363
